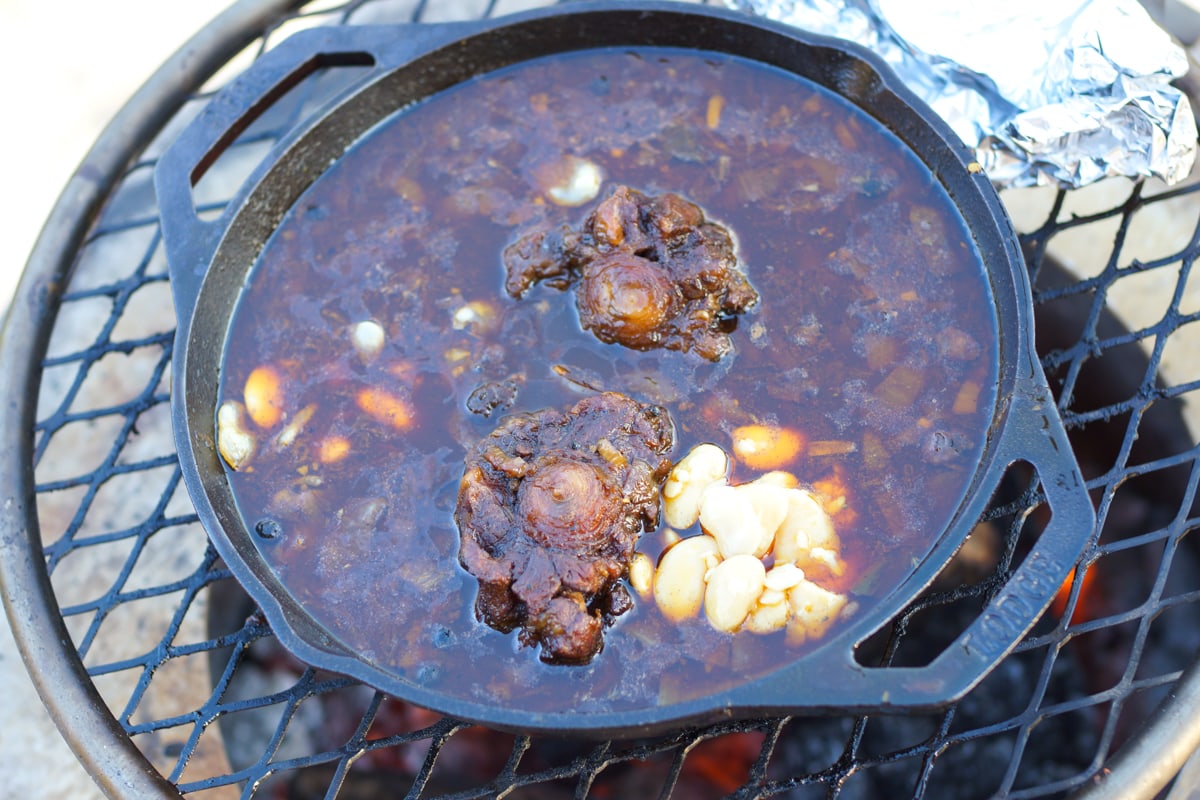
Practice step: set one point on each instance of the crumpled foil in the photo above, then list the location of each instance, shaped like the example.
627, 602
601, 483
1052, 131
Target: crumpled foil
1059, 92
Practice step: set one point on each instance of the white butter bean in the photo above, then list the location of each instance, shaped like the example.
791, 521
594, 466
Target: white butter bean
782, 577
234, 442
679, 582
641, 574
705, 465
734, 586
770, 505
744, 518
729, 517
806, 526
813, 610
767, 618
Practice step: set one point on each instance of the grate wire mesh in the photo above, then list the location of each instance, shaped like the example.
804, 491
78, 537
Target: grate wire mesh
193, 675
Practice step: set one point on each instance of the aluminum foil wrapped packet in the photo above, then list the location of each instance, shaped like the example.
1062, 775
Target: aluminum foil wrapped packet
1060, 92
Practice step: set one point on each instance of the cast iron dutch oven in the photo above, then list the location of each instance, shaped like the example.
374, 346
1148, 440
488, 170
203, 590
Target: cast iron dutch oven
210, 262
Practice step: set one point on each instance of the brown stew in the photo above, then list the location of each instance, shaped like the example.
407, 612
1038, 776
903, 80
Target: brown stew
874, 338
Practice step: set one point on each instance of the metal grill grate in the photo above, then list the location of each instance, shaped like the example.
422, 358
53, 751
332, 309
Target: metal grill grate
195, 679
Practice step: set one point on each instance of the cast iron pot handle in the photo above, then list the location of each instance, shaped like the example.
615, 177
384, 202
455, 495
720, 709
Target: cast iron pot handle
1035, 434
191, 241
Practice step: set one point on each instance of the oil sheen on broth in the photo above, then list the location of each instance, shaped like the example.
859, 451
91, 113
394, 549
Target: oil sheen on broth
874, 329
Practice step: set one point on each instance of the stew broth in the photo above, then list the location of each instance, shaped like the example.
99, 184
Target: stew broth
875, 337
